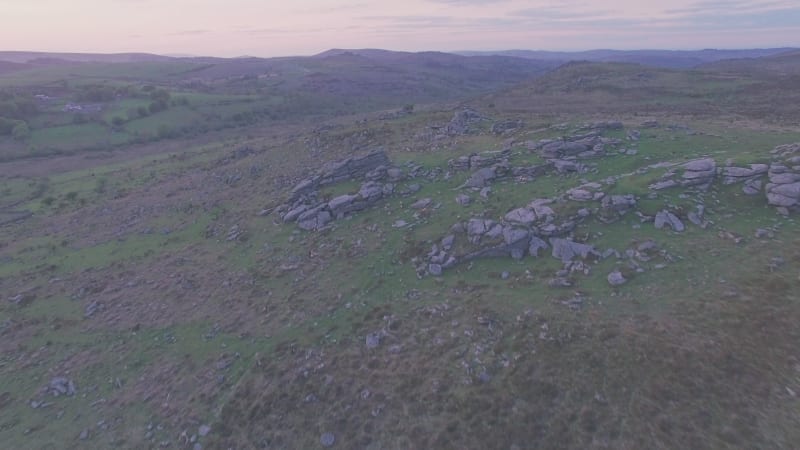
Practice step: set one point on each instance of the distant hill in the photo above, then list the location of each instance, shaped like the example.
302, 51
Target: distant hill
676, 59
782, 64
415, 77
7, 66
55, 58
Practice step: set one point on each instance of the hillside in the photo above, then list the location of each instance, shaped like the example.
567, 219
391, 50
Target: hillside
605, 255
55, 58
707, 92
675, 59
89, 106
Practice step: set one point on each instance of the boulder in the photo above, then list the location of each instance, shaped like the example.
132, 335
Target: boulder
292, 215
513, 236
461, 121
752, 187
481, 178
447, 242
541, 209
535, 245
619, 203
580, 195
477, 227
788, 190
371, 191
701, 165
781, 200
505, 126
567, 250
315, 222
732, 174
666, 218
523, 216
422, 203
616, 278
495, 231
340, 205
395, 174
564, 166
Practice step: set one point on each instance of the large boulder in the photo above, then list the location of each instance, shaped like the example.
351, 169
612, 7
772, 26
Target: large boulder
481, 177
340, 205
371, 191
523, 216
619, 203
666, 218
462, 121
567, 250
514, 236
733, 174
616, 278
535, 245
699, 173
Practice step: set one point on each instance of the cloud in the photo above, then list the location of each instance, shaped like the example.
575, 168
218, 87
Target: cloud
468, 2
190, 32
556, 13
730, 6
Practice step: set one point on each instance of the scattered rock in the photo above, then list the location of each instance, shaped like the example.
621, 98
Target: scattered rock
566, 250
523, 216
616, 278
461, 122
447, 242
481, 178
559, 282
327, 439
699, 173
764, 234
535, 245
752, 187
62, 386
422, 203
505, 126
203, 430
463, 199
666, 218
373, 340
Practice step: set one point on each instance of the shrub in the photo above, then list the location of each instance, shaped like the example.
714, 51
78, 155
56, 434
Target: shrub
21, 132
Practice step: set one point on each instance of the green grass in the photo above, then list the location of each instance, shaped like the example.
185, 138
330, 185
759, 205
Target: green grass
73, 137
174, 118
93, 72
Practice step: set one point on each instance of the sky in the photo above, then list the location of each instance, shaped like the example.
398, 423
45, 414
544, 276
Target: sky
304, 27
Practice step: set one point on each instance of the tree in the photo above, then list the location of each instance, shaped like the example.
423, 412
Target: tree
160, 95
117, 121
21, 132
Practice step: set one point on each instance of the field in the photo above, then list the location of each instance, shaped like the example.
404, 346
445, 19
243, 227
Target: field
166, 287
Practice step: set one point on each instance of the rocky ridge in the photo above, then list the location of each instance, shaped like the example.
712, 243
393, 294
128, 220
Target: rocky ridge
544, 224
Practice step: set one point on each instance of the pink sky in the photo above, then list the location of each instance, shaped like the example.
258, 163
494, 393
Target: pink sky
274, 28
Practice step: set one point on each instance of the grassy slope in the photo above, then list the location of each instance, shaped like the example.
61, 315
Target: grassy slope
263, 337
